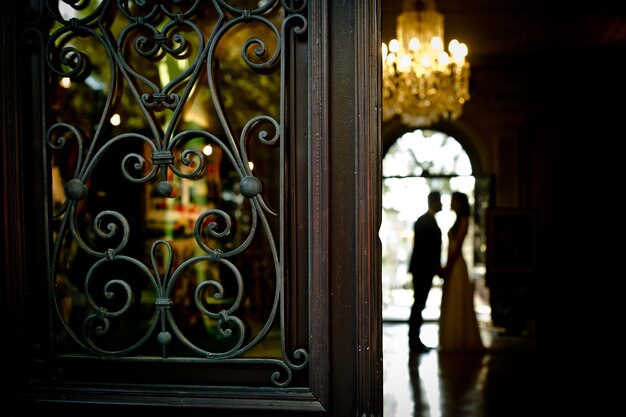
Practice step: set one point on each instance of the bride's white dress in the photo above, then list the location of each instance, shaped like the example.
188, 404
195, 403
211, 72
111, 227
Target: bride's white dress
458, 326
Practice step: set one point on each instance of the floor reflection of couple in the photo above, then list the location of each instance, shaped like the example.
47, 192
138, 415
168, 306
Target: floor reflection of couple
456, 390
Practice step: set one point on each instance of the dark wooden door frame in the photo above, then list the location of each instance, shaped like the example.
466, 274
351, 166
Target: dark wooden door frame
344, 129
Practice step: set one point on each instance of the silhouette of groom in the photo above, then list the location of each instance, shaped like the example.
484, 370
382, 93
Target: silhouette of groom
425, 263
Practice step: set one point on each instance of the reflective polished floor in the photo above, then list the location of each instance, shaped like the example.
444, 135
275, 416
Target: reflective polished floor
500, 383
563, 373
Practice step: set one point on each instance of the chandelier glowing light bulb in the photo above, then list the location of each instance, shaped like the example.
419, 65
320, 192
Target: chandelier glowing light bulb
421, 81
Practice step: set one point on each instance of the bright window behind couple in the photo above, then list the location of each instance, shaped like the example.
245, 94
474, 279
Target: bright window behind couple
417, 163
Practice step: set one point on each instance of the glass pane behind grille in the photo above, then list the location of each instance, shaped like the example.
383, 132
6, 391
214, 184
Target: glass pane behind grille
165, 155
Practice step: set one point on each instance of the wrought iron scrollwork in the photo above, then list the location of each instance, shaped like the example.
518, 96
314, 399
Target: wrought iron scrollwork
129, 40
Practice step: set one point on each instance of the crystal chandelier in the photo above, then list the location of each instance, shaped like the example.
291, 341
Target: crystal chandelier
421, 82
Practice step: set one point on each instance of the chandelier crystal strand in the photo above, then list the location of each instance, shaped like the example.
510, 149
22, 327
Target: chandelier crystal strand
421, 81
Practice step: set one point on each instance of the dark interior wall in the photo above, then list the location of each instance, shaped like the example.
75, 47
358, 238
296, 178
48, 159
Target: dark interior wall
563, 162
574, 173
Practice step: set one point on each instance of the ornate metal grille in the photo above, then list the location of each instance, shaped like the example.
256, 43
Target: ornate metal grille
167, 143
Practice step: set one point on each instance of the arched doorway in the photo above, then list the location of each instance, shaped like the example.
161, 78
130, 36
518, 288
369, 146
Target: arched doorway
417, 162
